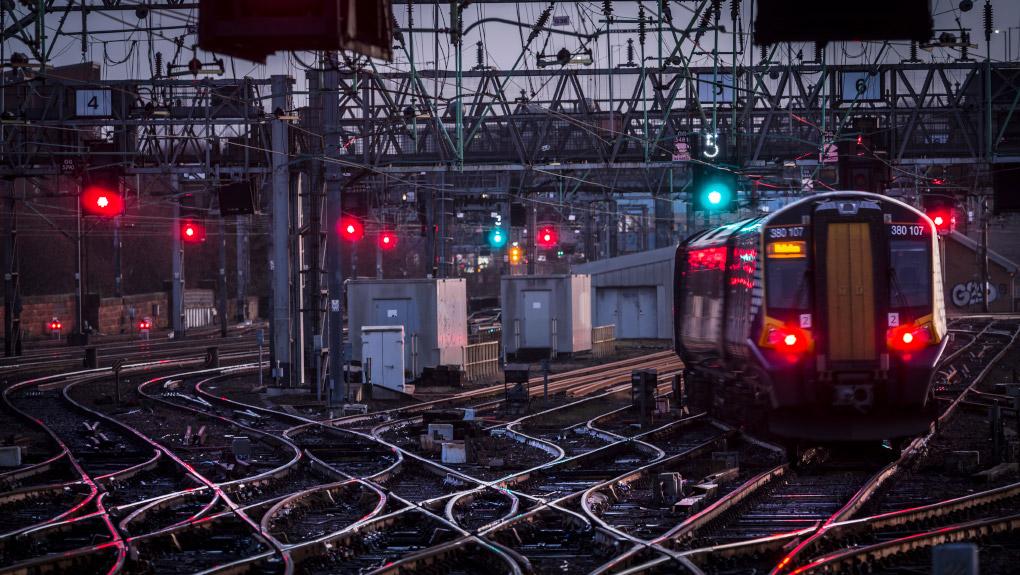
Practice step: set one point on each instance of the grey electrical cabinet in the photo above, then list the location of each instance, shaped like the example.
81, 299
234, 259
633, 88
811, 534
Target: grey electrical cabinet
433, 313
548, 312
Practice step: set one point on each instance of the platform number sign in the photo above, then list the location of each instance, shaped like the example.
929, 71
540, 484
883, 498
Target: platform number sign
93, 103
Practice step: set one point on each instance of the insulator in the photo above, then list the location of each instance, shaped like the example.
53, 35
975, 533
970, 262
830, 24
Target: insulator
630, 51
410, 14
716, 9
734, 10
764, 52
913, 51
666, 12
706, 18
642, 33
479, 56
543, 18
819, 51
158, 65
607, 8
964, 47
989, 21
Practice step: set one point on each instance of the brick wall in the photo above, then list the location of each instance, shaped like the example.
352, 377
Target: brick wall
116, 314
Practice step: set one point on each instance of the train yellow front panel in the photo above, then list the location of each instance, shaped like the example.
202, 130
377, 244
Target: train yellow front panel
851, 296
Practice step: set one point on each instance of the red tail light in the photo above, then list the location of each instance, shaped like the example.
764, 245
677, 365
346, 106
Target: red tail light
909, 337
788, 339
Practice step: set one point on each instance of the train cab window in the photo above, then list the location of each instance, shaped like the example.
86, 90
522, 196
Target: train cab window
786, 283
910, 280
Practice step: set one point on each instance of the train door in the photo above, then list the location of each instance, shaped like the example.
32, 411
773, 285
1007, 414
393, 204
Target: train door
850, 292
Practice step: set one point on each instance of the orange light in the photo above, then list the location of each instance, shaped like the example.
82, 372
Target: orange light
786, 250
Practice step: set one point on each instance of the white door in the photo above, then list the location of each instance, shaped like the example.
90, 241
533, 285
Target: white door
382, 354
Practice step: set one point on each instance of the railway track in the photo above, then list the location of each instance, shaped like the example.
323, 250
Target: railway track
585, 485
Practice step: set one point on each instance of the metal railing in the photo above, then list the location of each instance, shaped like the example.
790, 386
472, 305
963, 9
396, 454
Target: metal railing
603, 340
481, 359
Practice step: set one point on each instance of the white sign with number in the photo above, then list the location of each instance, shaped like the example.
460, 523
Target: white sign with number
93, 103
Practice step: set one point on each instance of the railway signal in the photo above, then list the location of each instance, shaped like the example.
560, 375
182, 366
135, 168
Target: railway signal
101, 200
192, 232
715, 189
515, 255
944, 220
547, 237
387, 240
497, 237
350, 228
941, 209
55, 327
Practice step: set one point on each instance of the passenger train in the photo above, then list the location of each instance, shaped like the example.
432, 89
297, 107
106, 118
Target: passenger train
825, 317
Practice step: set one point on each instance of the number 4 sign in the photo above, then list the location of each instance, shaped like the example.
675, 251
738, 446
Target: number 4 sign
93, 103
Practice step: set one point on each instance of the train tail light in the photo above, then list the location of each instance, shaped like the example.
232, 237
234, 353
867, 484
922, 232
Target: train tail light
787, 339
909, 337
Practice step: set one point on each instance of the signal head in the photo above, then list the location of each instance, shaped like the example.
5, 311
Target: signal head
192, 232
350, 228
101, 201
387, 240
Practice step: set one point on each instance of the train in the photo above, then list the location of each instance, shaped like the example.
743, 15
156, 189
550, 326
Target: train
823, 320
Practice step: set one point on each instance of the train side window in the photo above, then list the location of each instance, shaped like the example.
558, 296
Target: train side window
786, 283
910, 280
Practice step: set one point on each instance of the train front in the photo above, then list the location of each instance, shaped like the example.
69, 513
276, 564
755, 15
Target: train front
854, 321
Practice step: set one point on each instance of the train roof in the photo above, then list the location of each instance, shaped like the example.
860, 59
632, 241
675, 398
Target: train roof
836, 195
718, 236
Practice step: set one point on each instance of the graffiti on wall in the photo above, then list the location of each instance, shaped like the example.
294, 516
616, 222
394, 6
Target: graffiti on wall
967, 294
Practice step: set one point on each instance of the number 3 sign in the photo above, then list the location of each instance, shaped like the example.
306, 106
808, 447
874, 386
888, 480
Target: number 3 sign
93, 103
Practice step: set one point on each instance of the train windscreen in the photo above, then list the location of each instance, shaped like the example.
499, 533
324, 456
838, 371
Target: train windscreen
910, 283
787, 283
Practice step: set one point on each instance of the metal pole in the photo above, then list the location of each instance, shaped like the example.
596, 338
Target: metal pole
177, 285
334, 247
9, 271
118, 275
241, 246
79, 327
279, 254
532, 248
222, 283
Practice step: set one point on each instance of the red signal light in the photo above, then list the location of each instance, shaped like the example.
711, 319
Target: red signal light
350, 228
144, 325
101, 201
944, 220
548, 237
387, 240
55, 325
192, 232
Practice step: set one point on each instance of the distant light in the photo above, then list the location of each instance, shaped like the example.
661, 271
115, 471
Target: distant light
714, 197
103, 201
351, 229
189, 231
938, 222
547, 237
908, 337
790, 339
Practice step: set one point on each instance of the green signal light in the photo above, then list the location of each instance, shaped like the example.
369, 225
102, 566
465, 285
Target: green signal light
497, 237
715, 197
